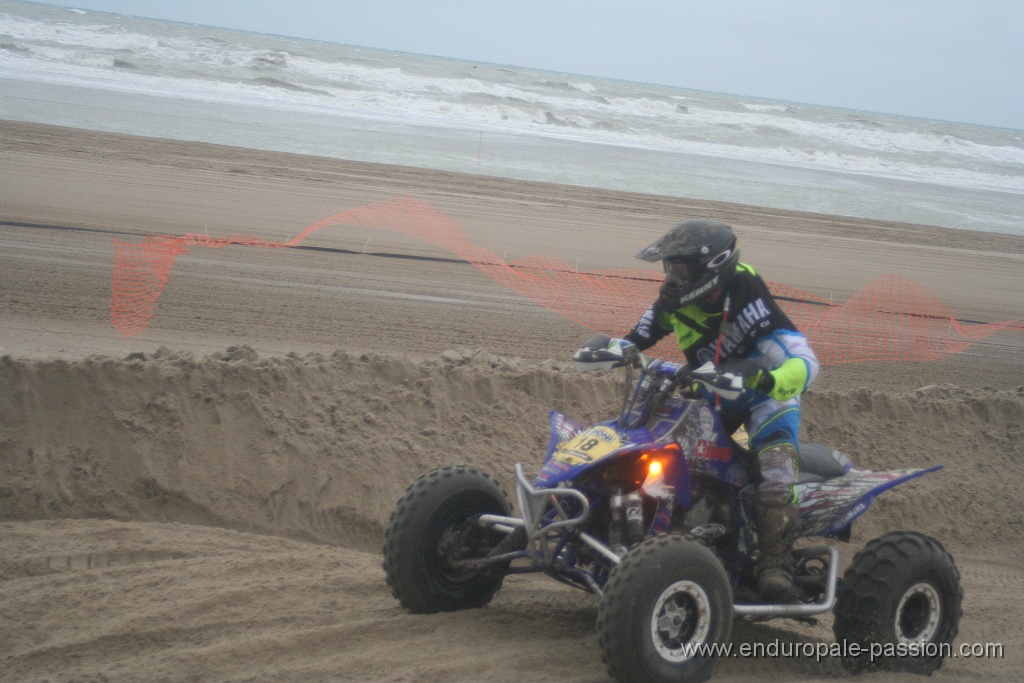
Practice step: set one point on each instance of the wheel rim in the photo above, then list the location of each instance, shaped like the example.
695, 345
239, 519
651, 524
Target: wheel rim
681, 620
452, 575
918, 614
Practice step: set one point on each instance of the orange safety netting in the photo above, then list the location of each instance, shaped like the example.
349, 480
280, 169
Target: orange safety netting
891, 319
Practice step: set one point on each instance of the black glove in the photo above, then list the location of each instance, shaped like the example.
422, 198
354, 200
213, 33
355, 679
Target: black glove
728, 385
754, 376
733, 377
763, 381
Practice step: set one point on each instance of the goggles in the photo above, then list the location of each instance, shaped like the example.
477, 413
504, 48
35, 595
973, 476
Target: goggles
680, 270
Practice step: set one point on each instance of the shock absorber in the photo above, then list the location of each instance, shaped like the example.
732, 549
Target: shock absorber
617, 528
634, 517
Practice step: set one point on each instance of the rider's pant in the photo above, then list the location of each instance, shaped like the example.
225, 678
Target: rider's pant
773, 428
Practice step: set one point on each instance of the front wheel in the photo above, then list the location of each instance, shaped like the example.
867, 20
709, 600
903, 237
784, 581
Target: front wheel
665, 613
428, 529
900, 601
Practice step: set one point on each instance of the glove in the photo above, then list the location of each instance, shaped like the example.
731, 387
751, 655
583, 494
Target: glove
728, 385
734, 377
604, 353
762, 380
754, 376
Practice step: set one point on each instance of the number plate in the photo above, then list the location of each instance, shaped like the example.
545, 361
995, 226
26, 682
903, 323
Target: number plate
588, 446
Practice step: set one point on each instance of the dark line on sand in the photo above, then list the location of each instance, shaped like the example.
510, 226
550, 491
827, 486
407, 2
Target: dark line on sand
434, 259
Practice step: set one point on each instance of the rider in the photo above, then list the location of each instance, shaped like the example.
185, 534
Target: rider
721, 311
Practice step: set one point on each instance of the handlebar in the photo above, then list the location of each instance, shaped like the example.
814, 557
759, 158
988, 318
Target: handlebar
602, 352
666, 368
657, 381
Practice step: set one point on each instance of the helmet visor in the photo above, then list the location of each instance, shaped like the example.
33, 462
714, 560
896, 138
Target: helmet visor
681, 270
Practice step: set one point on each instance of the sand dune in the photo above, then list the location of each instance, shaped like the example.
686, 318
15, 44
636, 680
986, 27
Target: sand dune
251, 493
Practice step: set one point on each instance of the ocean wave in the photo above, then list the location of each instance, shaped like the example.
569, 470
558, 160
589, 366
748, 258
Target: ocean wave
643, 106
567, 85
570, 121
778, 108
15, 47
285, 85
277, 60
232, 68
572, 103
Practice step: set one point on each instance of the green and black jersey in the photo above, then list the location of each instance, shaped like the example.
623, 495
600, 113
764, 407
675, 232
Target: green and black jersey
756, 328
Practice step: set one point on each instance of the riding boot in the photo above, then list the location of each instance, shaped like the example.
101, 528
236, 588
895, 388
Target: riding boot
776, 527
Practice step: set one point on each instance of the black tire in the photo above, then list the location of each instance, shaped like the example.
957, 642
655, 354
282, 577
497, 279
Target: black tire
669, 593
902, 588
416, 541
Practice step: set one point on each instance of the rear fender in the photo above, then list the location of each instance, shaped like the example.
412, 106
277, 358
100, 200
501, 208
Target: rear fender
828, 507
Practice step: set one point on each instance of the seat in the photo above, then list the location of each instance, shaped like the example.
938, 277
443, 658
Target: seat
818, 462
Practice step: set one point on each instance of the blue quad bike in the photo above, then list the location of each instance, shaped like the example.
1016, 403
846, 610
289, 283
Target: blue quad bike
653, 513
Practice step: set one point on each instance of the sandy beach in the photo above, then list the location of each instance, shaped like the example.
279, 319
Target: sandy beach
205, 500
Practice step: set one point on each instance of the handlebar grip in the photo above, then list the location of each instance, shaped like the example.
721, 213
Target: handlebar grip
673, 370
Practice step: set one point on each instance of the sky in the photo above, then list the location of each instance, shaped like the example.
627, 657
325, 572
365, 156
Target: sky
953, 60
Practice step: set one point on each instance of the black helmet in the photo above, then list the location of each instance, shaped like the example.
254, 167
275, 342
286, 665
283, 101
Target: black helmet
699, 257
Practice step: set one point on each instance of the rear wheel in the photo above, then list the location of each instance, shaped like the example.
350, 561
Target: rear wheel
900, 600
428, 530
666, 609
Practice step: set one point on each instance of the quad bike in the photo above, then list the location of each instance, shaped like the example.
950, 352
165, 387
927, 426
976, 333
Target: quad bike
653, 513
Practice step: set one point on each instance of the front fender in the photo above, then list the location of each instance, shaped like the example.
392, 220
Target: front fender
573, 448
